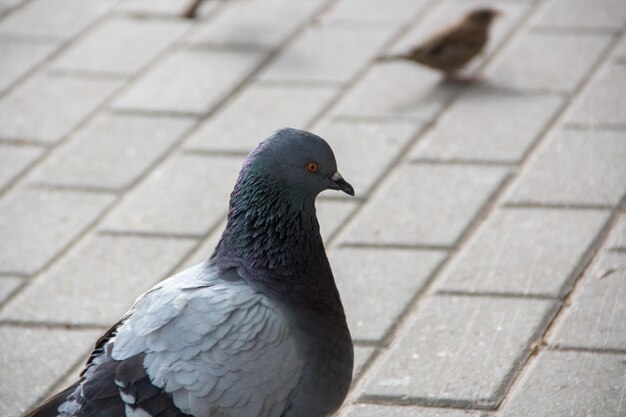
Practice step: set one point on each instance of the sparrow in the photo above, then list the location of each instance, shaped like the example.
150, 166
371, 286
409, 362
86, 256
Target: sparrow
451, 49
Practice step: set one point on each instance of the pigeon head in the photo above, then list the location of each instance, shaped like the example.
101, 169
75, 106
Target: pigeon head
300, 161
482, 16
272, 232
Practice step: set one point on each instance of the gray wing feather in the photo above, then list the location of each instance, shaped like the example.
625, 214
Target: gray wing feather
219, 348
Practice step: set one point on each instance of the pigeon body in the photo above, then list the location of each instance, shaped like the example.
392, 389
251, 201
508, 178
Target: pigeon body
258, 330
450, 50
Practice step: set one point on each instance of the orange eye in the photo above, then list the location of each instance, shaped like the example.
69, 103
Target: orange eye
311, 166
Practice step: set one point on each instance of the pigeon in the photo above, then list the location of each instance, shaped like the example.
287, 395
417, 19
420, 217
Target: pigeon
450, 50
257, 330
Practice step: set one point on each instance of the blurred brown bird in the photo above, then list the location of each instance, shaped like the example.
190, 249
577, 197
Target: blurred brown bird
190, 9
451, 49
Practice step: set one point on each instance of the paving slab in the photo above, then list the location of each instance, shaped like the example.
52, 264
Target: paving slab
489, 123
525, 251
362, 356
8, 285
54, 219
373, 11
458, 351
573, 384
7, 5
42, 19
120, 45
328, 53
378, 288
256, 113
594, 158
189, 81
111, 151
333, 213
602, 102
372, 410
98, 281
581, 14
43, 355
365, 150
540, 60
15, 159
19, 56
617, 239
187, 195
48, 107
167, 8
425, 205
261, 23
596, 318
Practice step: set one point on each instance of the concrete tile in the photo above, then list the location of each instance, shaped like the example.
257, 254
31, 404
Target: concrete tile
459, 350
164, 7
372, 410
189, 81
574, 384
14, 160
365, 150
206, 248
6, 5
112, 151
39, 224
331, 214
98, 281
594, 158
362, 356
254, 22
256, 113
59, 19
488, 125
374, 10
602, 101
547, 61
48, 107
582, 14
8, 285
425, 205
504, 255
121, 45
617, 239
596, 318
327, 53
187, 194
620, 50
44, 355
20, 56
377, 285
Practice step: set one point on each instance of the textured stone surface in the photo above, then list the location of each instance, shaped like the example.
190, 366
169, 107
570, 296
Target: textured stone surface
593, 158
575, 384
367, 410
489, 124
38, 224
596, 318
331, 214
582, 14
97, 281
187, 194
14, 159
255, 23
8, 285
374, 10
163, 7
112, 151
548, 61
602, 102
120, 46
365, 150
618, 236
19, 57
362, 356
379, 286
327, 52
43, 355
48, 107
189, 81
425, 204
256, 113
41, 19
459, 350
524, 251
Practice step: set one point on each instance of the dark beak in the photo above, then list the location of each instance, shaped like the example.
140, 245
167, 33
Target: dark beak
340, 184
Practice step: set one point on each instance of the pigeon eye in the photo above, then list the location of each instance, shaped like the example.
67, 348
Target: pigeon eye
311, 166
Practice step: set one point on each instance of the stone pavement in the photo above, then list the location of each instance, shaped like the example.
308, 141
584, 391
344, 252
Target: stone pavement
483, 264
